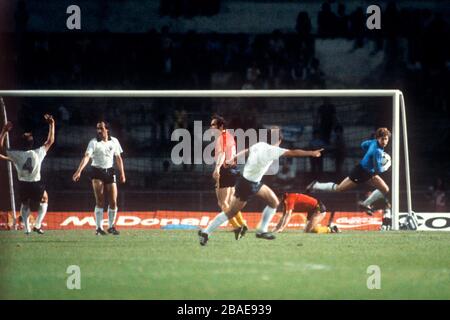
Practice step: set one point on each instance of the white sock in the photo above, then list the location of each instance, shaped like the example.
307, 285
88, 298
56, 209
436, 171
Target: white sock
98, 217
42, 211
216, 222
324, 186
267, 216
25, 212
374, 196
112, 216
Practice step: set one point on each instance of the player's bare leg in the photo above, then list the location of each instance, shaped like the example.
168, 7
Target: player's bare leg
239, 218
111, 191
269, 211
98, 187
313, 224
223, 200
42, 211
236, 205
25, 213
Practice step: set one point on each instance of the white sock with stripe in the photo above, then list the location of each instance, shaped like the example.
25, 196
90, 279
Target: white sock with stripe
112, 216
267, 216
25, 213
42, 211
98, 217
216, 222
324, 186
374, 196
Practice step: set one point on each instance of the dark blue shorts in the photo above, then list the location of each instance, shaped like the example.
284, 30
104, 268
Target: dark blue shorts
245, 189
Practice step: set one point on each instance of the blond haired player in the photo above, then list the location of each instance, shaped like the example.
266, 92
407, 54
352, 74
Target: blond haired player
368, 170
103, 150
225, 173
28, 162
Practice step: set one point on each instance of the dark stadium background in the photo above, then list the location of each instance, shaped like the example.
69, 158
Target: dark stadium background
223, 45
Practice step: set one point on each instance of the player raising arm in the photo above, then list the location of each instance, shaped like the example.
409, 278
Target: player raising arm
28, 161
366, 171
103, 150
260, 157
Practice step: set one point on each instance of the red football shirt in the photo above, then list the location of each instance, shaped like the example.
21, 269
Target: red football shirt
301, 202
225, 143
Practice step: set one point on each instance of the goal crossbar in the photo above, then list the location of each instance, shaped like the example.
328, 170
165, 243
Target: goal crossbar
198, 93
398, 108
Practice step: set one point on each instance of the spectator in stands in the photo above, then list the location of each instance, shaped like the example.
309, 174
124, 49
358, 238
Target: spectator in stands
342, 21
326, 120
316, 163
437, 196
326, 21
339, 148
303, 25
315, 76
358, 27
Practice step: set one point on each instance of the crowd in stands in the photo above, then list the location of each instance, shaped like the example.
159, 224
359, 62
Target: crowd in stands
161, 59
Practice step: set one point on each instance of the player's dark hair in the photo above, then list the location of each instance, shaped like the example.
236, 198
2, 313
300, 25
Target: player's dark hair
219, 120
107, 126
25, 142
382, 132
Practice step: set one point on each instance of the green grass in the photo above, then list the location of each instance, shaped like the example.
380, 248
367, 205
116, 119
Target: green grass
157, 264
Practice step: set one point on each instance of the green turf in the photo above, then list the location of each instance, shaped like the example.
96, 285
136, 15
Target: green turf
142, 264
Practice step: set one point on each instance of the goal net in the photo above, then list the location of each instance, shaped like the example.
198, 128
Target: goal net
162, 179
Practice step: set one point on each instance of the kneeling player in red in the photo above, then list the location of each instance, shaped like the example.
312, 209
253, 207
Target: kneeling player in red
301, 202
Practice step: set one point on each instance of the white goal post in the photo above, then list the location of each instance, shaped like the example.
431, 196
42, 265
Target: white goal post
398, 116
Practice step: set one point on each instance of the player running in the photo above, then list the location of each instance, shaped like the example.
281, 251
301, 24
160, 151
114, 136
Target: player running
260, 157
366, 171
315, 209
28, 162
226, 172
102, 150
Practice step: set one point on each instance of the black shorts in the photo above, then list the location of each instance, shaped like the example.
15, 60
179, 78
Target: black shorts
320, 208
360, 175
228, 177
31, 191
245, 189
107, 176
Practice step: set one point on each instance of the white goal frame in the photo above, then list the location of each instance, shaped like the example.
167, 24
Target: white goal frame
398, 117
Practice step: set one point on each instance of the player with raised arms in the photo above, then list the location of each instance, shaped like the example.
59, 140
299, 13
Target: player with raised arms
225, 173
374, 162
102, 150
314, 208
260, 157
28, 162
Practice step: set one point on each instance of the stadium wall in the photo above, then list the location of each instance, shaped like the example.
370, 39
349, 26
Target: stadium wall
195, 219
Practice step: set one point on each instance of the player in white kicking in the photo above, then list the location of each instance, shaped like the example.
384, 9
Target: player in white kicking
27, 162
102, 150
260, 157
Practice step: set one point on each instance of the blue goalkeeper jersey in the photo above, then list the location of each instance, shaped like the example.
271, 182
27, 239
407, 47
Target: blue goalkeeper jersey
372, 159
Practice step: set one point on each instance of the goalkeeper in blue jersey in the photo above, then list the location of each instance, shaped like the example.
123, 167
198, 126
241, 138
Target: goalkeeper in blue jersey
374, 162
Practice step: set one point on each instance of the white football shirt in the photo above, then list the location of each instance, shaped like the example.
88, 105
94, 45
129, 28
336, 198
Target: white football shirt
103, 152
260, 157
28, 163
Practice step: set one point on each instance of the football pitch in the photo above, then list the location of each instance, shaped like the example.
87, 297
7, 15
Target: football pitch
170, 264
